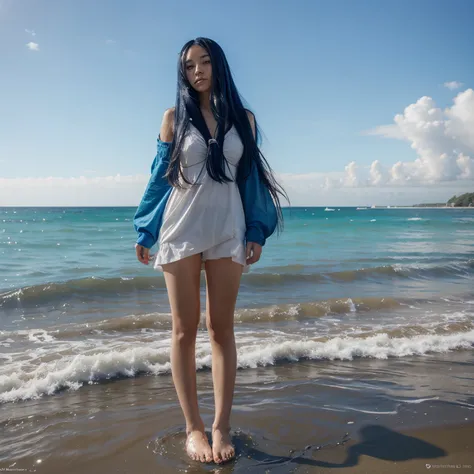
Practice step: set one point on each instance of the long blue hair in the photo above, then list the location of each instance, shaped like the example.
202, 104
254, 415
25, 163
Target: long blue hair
227, 108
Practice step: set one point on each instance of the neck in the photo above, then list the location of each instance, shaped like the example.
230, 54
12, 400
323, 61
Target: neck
205, 101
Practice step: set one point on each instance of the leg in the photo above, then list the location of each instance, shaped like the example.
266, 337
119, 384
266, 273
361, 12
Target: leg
223, 281
183, 285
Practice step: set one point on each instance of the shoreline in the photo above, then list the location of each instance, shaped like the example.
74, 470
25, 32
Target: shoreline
371, 416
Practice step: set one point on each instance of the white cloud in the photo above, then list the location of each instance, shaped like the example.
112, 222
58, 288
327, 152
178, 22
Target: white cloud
350, 177
442, 139
377, 173
453, 85
110, 41
461, 120
30, 32
318, 189
466, 165
387, 131
32, 46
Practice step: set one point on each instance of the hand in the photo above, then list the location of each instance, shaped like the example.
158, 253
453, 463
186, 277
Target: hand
143, 254
253, 252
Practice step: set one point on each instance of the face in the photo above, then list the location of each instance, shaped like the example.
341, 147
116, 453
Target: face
198, 68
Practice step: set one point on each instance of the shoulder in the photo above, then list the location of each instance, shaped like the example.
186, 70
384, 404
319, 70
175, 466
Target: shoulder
169, 113
251, 118
167, 125
168, 116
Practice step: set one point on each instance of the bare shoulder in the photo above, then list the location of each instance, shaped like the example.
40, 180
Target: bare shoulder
251, 117
170, 112
167, 125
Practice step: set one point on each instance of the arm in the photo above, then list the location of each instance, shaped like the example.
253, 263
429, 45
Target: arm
260, 210
147, 219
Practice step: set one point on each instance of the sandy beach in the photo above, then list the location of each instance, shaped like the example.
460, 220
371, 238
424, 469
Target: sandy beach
363, 416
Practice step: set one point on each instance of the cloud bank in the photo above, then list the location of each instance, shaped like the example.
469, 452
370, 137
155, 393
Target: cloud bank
303, 189
442, 139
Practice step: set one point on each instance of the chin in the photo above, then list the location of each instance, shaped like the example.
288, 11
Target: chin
202, 87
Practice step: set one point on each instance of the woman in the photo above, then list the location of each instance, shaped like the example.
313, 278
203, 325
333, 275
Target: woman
212, 202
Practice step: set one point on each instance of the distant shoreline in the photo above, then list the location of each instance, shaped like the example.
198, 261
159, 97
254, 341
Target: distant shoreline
422, 207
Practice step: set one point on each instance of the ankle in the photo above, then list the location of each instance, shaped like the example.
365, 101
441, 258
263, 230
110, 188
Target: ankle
223, 427
195, 427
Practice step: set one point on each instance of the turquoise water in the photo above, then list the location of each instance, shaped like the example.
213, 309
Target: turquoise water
336, 284
46, 245
41, 246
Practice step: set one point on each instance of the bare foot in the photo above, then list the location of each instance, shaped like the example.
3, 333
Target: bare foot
198, 447
222, 448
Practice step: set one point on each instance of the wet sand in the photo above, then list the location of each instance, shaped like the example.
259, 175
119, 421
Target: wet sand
361, 416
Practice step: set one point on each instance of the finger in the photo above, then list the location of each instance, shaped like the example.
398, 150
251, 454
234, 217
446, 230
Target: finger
256, 253
248, 250
138, 252
251, 260
141, 254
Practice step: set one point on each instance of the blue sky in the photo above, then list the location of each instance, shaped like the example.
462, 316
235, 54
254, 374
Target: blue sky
86, 96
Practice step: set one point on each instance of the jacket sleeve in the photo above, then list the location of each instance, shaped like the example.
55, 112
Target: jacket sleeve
260, 210
148, 217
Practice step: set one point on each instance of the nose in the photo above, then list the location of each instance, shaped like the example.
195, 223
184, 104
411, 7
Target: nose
198, 71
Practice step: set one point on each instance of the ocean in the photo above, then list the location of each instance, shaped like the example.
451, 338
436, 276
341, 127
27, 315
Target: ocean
341, 289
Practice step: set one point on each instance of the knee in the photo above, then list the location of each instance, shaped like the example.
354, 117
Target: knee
219, 332
185, 333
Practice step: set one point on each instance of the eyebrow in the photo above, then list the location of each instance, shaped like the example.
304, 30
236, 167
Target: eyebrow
190, 60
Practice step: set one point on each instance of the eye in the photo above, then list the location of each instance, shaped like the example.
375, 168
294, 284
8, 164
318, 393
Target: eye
207, 61
189, 67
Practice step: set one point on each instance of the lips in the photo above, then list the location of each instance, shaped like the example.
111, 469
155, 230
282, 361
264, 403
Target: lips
199, 81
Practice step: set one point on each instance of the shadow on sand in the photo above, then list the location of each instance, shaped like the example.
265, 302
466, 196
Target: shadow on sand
376, 441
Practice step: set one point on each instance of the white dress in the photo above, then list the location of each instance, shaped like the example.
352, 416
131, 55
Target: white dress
208, 219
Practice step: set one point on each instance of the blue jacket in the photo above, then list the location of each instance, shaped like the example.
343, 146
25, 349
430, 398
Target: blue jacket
259, 208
